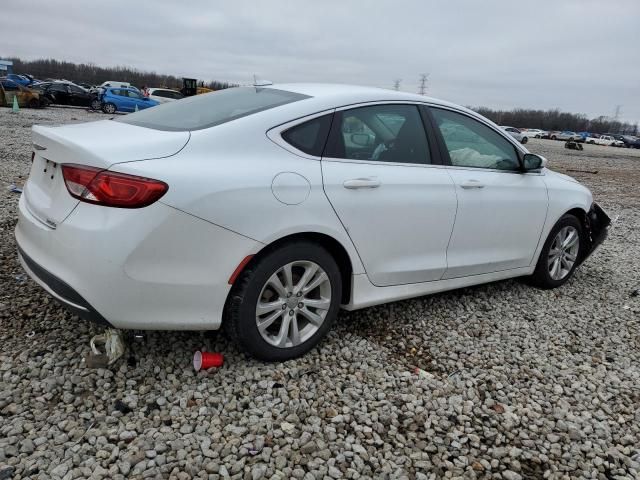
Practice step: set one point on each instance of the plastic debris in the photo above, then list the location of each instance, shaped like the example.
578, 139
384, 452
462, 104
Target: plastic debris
422, 373
14, 189
635, 293
31, 334
207, 360
113, 346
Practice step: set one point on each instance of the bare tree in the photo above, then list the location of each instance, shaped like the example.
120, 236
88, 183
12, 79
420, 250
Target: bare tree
396, 84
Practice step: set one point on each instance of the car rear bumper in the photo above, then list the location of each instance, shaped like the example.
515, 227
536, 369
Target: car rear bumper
155, 268
61, 291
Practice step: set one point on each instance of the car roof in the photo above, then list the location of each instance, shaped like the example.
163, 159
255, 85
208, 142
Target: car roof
336, 93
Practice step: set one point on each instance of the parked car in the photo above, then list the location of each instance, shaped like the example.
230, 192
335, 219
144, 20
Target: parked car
24, 80
164, 95
565, 135
247, 207
63, 93
124, 100
628, 141
535, 133
26, 96
517, 134
607, 140
114, 83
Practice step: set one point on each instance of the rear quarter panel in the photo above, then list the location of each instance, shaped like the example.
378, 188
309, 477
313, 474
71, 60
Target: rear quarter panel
225, 176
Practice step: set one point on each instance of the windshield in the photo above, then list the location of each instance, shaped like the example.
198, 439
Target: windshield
207, 110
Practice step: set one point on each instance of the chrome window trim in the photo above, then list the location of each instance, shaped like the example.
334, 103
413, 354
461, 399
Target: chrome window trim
275, 133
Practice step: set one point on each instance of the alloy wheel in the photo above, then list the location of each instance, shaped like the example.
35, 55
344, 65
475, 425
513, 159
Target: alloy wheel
563, 252
293, 304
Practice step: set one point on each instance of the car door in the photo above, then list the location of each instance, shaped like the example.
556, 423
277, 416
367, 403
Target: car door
384, 182
78, 97
501, 210
125, 104
137, 100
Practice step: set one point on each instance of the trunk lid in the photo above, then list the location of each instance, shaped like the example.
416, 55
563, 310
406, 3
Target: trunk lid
99, 144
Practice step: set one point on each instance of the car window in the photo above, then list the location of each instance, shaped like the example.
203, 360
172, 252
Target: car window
383, 133
204, 111
470, 143
133, 94
160, 93
75, 89
309, 137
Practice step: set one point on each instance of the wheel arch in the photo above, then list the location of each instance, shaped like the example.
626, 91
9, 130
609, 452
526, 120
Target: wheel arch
333, 246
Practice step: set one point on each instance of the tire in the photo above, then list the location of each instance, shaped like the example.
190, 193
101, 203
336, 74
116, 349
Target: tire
553, 137
524, 140
542, 276
592, 142
95, 104
256, 284
109, 108
33, 103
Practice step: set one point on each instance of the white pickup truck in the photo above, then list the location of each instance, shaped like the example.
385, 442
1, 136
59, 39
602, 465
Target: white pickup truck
604, 140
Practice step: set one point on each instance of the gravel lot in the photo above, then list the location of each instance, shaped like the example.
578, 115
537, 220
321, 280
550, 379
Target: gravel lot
522, 383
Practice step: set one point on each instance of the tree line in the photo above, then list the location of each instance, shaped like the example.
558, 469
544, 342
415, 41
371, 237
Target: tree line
95, 75
557, 120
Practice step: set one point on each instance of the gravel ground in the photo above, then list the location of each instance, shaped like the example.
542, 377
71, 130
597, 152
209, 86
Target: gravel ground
520, 383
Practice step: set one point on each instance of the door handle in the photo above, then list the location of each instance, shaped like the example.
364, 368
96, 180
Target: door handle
361, 183
467, 184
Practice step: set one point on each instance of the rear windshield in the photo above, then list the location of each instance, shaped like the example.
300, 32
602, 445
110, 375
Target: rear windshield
208, 110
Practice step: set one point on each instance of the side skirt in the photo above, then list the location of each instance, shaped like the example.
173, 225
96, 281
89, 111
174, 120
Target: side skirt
365, 294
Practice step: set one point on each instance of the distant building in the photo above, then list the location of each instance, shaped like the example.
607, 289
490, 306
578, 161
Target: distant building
6, 67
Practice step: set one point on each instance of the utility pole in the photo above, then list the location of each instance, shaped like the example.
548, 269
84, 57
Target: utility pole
423, 83
396, 84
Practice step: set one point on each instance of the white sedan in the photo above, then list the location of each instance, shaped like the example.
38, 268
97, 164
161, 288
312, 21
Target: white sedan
516, 133
268, 209
164, 95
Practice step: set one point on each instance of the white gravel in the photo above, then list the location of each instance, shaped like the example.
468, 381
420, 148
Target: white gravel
521, 383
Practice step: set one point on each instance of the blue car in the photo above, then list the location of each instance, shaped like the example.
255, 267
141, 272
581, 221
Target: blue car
23, 80
124, 100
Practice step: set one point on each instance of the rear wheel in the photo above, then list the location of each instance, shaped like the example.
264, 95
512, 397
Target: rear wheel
560, 254
95, 104
109, 108
524, 140
553, 137
284, 304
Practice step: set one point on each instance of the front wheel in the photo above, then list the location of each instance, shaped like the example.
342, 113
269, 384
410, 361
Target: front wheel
285, 302
524, 140
95, 104
560, 254
109, 108
553, 137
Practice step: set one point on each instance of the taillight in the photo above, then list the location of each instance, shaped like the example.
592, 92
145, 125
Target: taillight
111, 189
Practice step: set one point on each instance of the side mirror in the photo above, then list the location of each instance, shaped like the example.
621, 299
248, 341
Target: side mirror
532, 162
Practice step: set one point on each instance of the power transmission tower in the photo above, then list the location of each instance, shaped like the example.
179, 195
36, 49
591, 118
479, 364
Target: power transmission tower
423, 83
396, 84
617, 112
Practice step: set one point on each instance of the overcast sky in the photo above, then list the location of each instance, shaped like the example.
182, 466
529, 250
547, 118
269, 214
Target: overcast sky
581, 56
